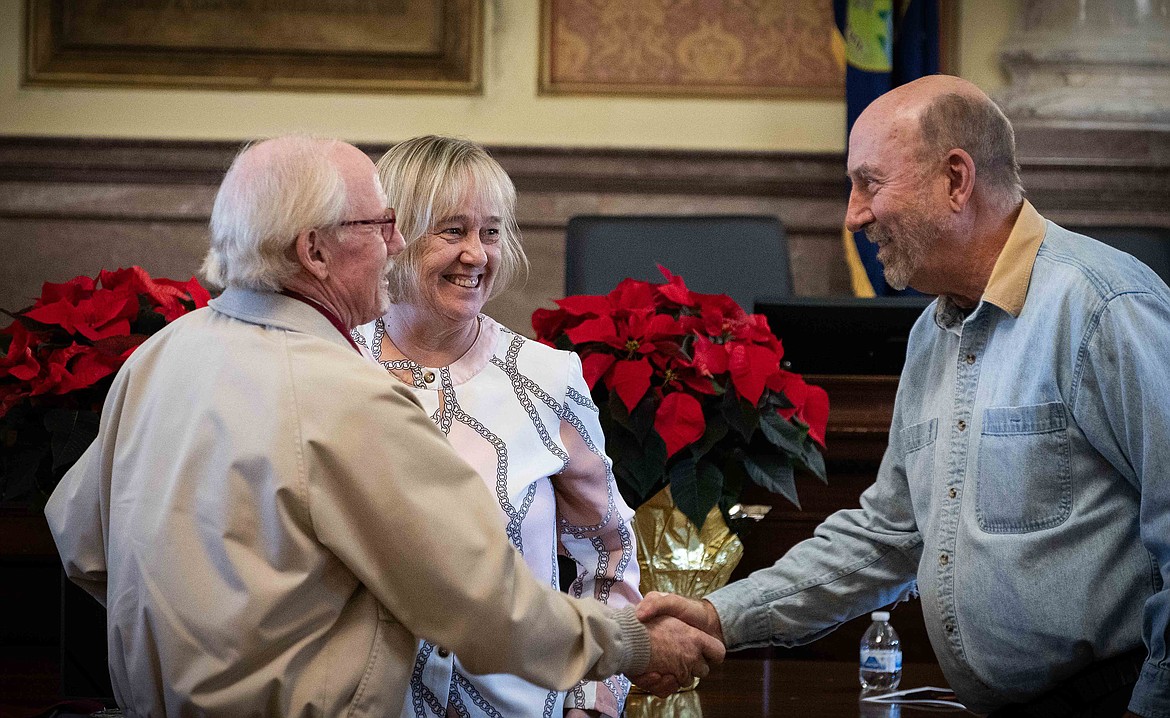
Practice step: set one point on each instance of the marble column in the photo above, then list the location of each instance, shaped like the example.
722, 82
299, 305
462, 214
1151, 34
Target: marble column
1089, 64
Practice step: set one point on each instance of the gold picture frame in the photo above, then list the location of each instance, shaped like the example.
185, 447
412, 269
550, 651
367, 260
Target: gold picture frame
310, 45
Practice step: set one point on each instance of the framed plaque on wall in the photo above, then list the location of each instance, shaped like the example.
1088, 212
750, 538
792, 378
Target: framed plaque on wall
317, 45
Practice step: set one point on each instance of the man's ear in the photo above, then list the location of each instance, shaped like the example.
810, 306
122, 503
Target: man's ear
312, 253
960, 171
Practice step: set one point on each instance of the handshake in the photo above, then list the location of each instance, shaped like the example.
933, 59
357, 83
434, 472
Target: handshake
686, 639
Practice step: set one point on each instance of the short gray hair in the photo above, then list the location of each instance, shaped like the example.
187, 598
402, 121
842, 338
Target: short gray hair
273, 191
977, 126
425, 179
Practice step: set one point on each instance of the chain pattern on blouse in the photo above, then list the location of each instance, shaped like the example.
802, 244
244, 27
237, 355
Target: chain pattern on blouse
550, 704
520, 383
582, 399
421, 697
573, 530
475, 696
416, 372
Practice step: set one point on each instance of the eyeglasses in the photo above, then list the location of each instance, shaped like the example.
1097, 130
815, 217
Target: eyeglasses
385, 224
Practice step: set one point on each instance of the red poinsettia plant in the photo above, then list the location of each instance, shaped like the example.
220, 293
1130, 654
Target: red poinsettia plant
691, 392
58, 360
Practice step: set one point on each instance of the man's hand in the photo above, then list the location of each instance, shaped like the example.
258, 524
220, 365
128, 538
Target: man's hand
678, 654
700, 614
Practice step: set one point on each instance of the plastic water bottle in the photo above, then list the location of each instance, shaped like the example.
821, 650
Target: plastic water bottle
881, 656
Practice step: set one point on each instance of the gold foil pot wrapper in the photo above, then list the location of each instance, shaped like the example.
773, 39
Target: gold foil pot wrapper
677, 557
679, 705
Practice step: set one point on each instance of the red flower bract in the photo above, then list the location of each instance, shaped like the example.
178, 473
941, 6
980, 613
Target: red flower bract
679, 421
646, 338
105, 313
79, 332
688, 386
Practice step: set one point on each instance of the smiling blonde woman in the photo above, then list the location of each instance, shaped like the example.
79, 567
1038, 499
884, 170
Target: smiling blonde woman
518, 411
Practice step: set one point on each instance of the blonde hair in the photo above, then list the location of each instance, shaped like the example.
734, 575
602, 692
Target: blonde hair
274, 190
426, 179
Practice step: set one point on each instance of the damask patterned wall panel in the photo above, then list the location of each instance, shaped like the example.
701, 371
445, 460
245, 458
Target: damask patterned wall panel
749, 48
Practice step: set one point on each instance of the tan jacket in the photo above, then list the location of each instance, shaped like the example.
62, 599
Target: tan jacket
264, 546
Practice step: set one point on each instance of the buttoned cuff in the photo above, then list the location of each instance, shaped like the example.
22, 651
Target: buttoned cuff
745, 624
635, 642
1151, 696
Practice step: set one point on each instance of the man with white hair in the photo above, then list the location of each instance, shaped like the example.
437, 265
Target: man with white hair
261, 546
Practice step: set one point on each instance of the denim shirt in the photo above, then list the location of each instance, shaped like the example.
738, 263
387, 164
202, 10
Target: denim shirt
1023, 489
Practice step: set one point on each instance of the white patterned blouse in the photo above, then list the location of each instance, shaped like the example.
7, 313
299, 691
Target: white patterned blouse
520, 413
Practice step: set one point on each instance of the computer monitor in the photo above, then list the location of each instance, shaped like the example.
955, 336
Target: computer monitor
843, 335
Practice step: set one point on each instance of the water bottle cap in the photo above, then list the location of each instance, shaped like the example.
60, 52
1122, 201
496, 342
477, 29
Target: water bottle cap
880, 615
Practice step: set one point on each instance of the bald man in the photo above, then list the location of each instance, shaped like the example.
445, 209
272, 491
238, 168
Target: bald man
271, 525
1024, 490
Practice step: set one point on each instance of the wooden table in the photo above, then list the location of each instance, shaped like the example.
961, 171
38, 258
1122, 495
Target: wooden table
743, 688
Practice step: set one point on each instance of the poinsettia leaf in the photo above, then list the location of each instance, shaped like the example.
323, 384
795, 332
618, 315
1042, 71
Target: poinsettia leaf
712, 435
637, 466
641, 420
617, 409
695, 488
739, 415
72, 432
777, 400
792, 437
814, 461
783, 434
774, 474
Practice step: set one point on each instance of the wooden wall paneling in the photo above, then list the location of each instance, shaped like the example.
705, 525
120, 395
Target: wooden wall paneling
148, 202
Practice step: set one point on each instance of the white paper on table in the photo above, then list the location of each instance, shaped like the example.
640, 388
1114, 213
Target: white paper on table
925, 696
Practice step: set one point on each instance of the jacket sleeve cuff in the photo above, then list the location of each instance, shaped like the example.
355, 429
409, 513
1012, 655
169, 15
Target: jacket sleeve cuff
1151, 696
635, 642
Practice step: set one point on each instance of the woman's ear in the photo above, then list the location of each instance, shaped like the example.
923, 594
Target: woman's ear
312, 253
960, 169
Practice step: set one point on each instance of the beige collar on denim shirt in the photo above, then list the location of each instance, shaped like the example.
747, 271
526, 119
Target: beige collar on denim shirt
1008, 286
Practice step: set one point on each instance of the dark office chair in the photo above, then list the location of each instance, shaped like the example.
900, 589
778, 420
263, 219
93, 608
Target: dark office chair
1151, 245
741, 256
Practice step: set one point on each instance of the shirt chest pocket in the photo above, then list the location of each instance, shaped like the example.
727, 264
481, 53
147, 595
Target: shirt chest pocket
1023, 483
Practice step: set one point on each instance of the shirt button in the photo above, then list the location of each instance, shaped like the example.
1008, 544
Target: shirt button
943, 560
429, 377
970, 358
950, 628
443, 652
952, 493
962, 425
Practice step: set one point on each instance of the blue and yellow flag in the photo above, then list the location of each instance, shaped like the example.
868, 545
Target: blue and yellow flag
887, 43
